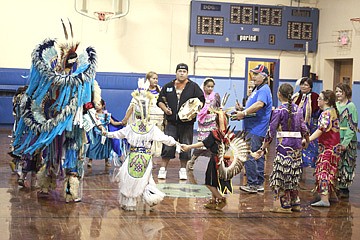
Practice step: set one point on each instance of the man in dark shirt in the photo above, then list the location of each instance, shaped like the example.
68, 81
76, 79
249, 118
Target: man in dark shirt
172, 96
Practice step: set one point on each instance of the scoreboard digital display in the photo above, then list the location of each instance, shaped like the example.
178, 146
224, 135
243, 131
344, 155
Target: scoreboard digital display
219, 24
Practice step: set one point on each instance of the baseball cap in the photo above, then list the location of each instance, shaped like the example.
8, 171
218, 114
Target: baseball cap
182, 66
261, 69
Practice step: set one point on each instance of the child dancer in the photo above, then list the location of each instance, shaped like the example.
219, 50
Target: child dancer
287, 124
135, 175
100, 148
218, 142
328, 133
156, 114
206, 119
348, 128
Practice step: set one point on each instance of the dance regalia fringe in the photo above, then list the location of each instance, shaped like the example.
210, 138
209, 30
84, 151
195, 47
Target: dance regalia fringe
348, 129
135, 175
329, 152
326, 170
51, 103
286, 169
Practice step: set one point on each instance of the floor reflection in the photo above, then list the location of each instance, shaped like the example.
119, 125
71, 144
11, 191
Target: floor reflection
25, 215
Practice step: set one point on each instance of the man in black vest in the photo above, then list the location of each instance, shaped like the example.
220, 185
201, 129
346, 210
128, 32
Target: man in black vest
172, 96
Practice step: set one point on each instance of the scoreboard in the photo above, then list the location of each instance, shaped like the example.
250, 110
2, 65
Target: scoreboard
237, 25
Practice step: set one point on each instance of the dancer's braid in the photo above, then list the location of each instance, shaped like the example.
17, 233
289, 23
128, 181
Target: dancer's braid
286, 91
289, 111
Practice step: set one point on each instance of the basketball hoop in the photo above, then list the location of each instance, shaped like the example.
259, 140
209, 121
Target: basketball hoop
103, 18
356, 24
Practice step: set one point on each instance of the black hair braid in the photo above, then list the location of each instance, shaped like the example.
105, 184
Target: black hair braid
207, 80
289, 111
337, 111
103, 103
286, 91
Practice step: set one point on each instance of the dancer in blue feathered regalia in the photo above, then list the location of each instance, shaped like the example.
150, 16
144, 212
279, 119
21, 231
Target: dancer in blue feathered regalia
60, 82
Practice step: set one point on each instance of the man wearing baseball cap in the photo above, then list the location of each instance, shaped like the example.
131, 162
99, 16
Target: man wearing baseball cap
260, 103
172, 96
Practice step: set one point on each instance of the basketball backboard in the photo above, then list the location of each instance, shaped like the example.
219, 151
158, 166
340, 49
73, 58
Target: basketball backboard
102, 10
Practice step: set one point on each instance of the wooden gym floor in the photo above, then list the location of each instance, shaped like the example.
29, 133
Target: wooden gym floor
180, 216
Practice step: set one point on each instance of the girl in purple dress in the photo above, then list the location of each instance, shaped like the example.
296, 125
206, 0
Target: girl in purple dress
288, 126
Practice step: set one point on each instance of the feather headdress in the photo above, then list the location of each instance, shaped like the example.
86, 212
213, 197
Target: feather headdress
142, 97
233, 148
67, 51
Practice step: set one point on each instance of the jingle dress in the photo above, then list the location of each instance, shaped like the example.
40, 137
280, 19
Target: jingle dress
348, 129
135, 174
308, 103
329, 155
287, 163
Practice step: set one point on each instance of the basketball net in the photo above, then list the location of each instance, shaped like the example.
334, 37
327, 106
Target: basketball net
103, 18
356, 25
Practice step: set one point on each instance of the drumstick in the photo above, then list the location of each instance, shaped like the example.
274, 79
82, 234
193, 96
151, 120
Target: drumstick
165, 101
236, 96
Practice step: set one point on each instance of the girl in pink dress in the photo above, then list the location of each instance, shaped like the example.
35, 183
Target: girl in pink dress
206, 120
328, 134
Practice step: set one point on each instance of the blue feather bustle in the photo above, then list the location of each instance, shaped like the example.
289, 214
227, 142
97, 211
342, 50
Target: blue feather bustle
50, 104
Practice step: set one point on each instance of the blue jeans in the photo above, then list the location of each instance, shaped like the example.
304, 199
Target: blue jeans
255, 168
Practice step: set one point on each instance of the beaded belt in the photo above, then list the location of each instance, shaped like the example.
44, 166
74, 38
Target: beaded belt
288, 134
140, 149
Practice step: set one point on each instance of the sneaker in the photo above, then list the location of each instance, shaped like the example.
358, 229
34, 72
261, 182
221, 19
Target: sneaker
162, 173
320, 203
260, 188
249, 188
182, 174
